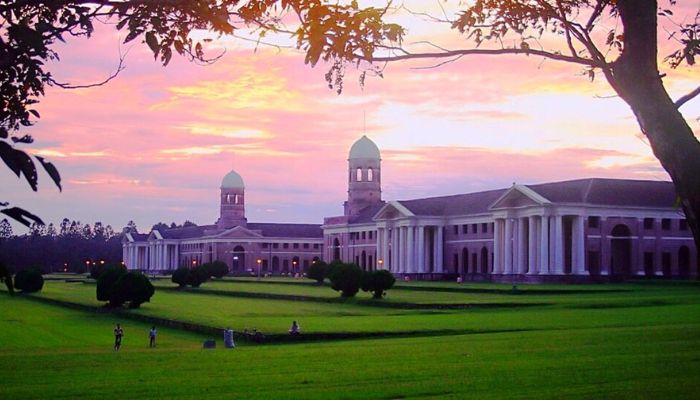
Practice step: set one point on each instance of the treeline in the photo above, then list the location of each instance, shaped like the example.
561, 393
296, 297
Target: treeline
70, 246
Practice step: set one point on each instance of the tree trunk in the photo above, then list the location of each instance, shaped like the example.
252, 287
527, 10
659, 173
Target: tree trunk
635, 77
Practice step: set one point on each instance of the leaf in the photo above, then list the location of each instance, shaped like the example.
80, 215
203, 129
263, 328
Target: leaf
22, 216
20, 163
51, 170
152, 43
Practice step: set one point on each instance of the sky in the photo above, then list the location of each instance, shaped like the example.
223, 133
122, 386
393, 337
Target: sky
153, 144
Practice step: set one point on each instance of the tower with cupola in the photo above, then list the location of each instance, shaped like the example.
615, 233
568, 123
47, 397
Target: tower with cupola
232, 202
364, 176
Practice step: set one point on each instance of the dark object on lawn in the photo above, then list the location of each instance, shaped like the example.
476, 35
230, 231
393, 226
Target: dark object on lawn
209, 344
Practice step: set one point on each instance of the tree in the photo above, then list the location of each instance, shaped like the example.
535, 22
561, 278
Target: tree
181, 276
106, 283
6, 277
5, 229
216, 269
197, 276
29, 280
133, 287
317, 271
346, 279
624, 50
377, 282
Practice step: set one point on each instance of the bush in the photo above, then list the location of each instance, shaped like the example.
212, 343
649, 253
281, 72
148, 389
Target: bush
216, 269
181, 276
29, 280
133, 287
377, 282
317, 271
346, 279
6, 277
96, 270
198, 275
107, 281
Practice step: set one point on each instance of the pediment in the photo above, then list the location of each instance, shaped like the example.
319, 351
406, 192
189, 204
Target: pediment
393, 210
519, 196
239, 232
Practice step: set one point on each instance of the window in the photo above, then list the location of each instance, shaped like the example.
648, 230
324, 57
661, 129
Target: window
306, 245
264, 245
364, 236
370, 235
275, 245
473, 228
358, 175
484, 227
648, 223
593, 222
370, 174
465, 229
316, 245
236, 199
666, 224
683, 224
295, 245
456, 228
285, 245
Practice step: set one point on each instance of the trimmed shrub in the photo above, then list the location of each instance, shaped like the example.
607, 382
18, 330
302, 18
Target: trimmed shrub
377, 282
198, 275
317, 271
6, 277
346, 279
29, 280
216, 269
133, 287
181, 276
106, 282
96, 270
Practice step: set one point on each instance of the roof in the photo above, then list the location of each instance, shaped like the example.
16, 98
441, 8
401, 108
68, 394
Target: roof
232, 180
364, 148
610, 192
460, 204
287, 230
365, 215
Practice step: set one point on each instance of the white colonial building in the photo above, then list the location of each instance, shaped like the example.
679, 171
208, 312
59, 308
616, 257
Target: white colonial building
573, 230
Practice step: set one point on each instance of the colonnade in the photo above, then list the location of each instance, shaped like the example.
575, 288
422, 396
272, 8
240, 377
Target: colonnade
411, 249
153, 256
539, 245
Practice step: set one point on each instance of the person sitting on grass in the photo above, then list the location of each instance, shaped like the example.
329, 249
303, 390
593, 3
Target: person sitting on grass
294, 330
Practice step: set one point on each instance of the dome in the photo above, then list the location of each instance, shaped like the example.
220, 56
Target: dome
364, 148
232, 181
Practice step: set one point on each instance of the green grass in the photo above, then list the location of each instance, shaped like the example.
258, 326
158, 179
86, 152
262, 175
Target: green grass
50, 352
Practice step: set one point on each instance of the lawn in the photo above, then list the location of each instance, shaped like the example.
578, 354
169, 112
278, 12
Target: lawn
653, 352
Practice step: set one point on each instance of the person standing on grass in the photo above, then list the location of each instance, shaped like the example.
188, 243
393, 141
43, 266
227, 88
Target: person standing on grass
118, 333
152, 336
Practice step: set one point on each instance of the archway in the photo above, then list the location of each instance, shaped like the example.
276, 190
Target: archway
484, 260
275, 264
336, 249
296, 267
465, 260
620, 250
238, 259
684, 261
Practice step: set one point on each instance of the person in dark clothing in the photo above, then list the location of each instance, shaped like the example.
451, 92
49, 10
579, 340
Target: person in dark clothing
152, 336
118, 333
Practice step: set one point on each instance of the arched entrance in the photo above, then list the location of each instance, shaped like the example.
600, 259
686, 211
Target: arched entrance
238, 259
484, 260
465, 260
275, 265
336, 249
684, 261
620, 251
296, 267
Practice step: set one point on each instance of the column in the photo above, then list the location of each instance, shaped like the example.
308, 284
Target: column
395, 249
420, 267
497, 246
578, 247
558, 245
522, 246
385, 245
532, 246
176, 258
411, 251
438, 249
544, 245
508, 248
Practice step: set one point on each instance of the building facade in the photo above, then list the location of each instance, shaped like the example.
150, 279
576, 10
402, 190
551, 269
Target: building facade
244, 246
573, 230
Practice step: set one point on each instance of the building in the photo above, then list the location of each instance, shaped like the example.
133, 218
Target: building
246, 247
562, 231
577, 230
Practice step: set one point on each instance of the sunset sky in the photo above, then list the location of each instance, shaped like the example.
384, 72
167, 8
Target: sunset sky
153, 144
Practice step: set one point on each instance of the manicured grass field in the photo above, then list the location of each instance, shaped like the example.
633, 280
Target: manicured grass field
635, 341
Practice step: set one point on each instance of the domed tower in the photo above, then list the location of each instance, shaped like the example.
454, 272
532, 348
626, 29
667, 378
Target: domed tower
364, 176
232, 201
